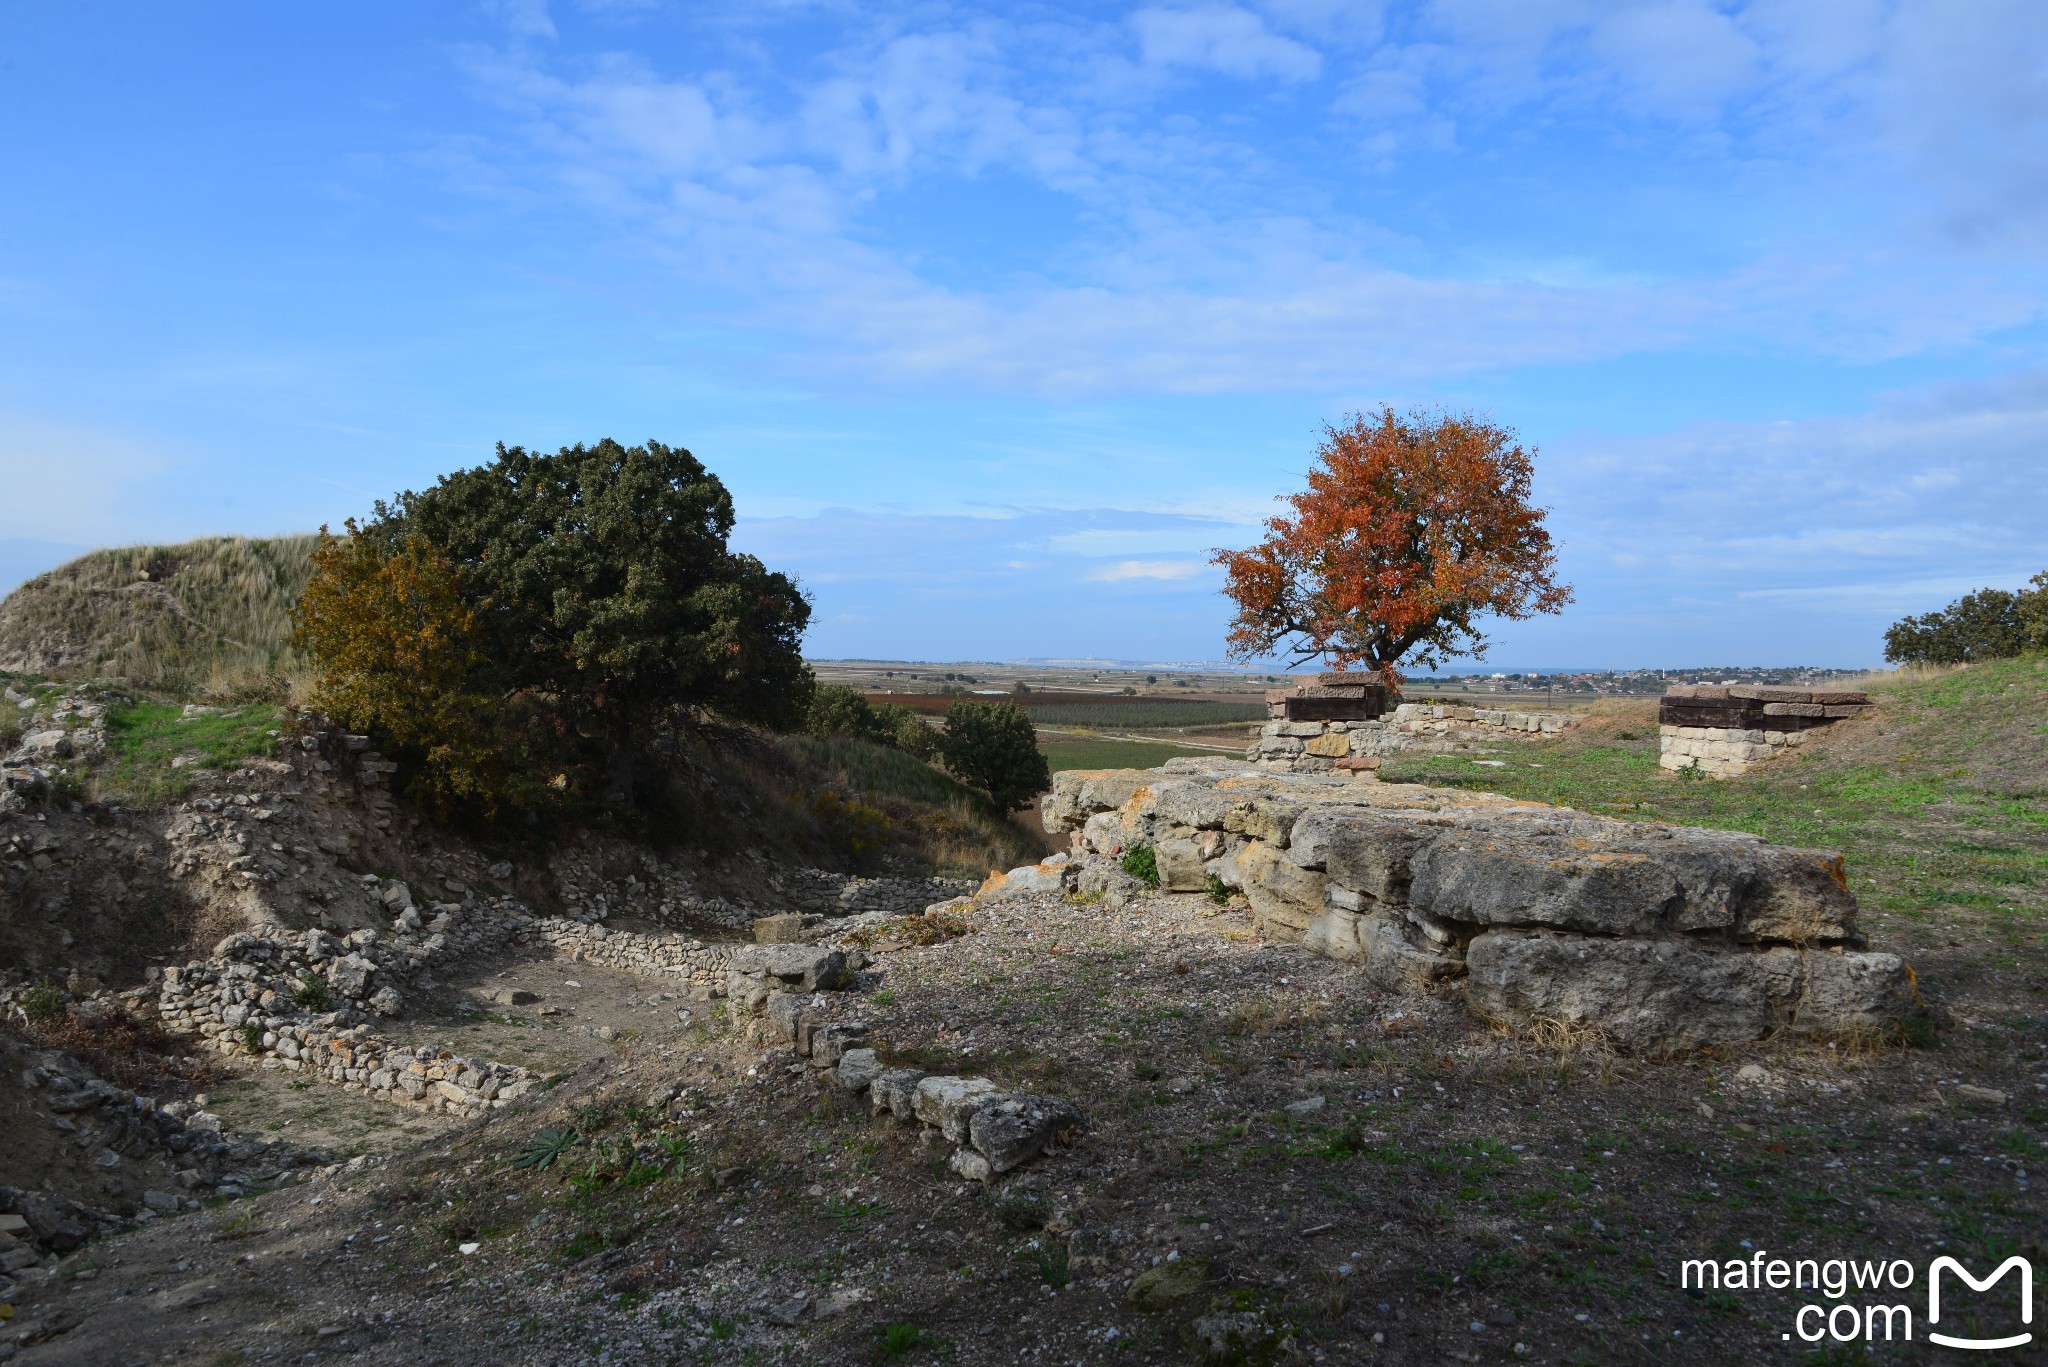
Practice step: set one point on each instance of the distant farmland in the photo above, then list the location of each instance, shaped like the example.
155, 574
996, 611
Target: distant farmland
1094, 709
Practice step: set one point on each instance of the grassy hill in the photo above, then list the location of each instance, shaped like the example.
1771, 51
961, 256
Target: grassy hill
171, 617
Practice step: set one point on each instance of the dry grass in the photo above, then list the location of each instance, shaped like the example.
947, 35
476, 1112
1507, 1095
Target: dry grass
203, 615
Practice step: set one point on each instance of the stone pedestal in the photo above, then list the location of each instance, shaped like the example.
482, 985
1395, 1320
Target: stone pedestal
1724, 730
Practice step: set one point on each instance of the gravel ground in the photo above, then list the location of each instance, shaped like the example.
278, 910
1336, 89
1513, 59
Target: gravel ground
1277, 1162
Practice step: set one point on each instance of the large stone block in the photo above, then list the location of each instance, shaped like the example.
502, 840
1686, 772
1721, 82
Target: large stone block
1180, 865
1650, 995
1285, 898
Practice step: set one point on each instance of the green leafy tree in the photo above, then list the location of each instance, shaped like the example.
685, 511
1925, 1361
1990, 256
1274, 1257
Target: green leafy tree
599, 593
1989, 624
837, 710
994, 747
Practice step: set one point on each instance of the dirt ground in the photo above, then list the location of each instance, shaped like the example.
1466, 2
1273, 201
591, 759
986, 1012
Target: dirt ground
1346, 1177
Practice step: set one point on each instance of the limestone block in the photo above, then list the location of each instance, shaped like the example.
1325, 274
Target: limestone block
807, 968
1009, 1129
1854, 990
1368, 852
946, 1103
1180, 866
1329, 745
895, 1090
1651, 995
1104, 834
1285, 898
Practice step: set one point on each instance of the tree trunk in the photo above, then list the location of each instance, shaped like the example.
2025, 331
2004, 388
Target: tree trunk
620, 752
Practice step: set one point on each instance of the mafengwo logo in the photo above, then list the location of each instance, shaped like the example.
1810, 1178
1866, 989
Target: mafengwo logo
1956, 1317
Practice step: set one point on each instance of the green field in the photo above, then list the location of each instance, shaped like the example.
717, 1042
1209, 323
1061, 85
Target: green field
1143, 713
1117, 754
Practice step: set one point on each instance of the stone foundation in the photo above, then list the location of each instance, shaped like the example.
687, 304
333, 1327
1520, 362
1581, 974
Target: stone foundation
1725, 730
1665, 937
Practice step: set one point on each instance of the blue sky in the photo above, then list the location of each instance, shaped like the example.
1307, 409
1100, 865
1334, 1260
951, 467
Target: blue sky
996, 319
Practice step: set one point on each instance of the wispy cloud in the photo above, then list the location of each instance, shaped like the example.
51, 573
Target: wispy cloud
1169, 570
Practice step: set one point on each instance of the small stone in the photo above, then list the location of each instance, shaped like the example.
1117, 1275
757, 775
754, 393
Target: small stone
1981, 1096
971, 1165
858, 1069
1157, 1288
514, 996
1009, 1130
1307, 1106
1752, 1073
786, 1313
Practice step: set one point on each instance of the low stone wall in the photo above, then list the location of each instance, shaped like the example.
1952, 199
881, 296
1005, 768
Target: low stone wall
1357, 747
655, 956
1666, 937
1723, 731
847, 894
241, 1002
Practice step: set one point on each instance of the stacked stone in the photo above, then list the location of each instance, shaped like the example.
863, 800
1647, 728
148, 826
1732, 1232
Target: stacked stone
1357, 747
1667, 937
1722, 730
124, 1123
845, 894
1319, 747
656, 956
241, 1001
783, 987
1331, 697
56, 731
1440, 719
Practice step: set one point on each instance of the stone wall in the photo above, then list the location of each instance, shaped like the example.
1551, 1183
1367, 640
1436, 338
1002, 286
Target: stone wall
1725, 730
1665, 937
1357, 746
694, 962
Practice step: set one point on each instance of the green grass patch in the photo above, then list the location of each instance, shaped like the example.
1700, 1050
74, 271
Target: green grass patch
1939, 802
144, 738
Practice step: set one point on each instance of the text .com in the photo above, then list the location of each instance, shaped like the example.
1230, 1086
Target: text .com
1868, 1299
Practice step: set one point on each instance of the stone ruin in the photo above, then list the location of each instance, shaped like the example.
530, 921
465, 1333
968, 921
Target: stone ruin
1347, 724
1722, 730
1663, 937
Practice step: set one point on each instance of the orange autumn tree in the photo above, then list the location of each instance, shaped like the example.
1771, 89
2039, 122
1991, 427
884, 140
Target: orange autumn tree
1411, 528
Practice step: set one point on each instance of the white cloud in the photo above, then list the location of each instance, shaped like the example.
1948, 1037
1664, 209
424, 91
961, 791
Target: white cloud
1124, 570
1222, 38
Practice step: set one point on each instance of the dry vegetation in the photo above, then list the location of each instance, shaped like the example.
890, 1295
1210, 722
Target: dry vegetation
211, 614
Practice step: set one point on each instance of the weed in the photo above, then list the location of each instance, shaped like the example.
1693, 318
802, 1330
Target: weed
1220, 892
1141, 863
311, 993
44, 1001
902, 1337
1051, 1261
252, 1037
543, 1149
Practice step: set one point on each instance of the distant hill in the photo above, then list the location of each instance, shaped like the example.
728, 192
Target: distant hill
166, 616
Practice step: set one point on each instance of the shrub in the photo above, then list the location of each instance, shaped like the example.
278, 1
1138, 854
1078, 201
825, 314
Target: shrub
1142, 864
1989, 624
860, 829
311, 993
995, 748
44, 1001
